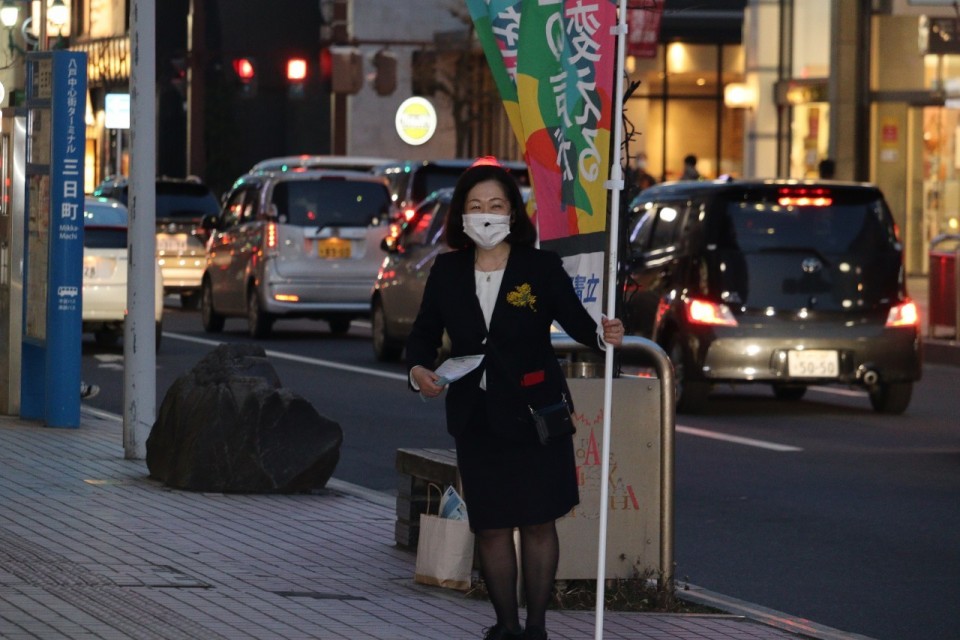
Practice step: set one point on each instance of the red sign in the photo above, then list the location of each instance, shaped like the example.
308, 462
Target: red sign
643, 32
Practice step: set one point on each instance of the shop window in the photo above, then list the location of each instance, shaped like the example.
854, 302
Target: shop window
692, 69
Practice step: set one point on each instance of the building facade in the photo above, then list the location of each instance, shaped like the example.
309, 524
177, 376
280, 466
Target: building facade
873, 85
868, 84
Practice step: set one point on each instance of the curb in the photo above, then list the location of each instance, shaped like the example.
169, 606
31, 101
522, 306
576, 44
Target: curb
941, 351
763, 615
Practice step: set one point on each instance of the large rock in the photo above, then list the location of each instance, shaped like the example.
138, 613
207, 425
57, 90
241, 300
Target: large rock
228, 426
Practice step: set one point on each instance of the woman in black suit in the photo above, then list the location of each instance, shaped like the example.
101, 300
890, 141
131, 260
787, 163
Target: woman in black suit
497, 295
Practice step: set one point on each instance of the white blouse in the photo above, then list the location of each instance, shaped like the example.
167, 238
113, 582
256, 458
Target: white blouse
488, 287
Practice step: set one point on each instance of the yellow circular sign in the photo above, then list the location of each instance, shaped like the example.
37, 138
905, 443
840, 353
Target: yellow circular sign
416, 120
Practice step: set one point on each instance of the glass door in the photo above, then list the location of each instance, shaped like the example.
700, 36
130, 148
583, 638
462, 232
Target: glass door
941, 178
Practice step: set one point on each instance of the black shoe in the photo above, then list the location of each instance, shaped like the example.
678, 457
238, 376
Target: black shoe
535, 633
499, 632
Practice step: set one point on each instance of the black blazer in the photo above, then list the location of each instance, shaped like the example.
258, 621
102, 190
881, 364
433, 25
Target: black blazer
521, 366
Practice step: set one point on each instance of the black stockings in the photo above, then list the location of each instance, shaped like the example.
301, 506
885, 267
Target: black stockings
540, 553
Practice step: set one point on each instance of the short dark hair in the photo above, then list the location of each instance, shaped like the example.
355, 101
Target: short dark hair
522, 231
690, 160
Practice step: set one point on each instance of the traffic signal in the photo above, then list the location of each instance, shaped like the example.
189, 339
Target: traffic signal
385, 81
423, 70
246, 71
347, 70
296, 76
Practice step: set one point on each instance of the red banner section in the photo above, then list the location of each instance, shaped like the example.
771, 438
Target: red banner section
644, 29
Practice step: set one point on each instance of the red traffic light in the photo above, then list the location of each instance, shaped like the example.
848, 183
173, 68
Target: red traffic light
296, 70
244, 69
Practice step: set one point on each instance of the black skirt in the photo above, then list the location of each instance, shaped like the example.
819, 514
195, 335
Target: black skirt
510, 484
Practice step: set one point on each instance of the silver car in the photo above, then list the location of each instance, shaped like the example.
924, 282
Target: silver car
295, 244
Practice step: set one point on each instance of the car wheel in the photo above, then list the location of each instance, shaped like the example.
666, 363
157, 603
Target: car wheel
892, 397
190, 300
259, 322
384, 347
107, 337
212, 321
789, 392
691, 394
339, 326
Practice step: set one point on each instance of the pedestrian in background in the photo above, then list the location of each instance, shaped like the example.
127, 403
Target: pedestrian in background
827, 169
497, 295
690, 168
642, 178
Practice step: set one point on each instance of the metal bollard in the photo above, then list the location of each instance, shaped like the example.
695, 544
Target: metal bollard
668, 408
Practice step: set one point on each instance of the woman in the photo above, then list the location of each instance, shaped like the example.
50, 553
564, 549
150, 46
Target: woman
496, 295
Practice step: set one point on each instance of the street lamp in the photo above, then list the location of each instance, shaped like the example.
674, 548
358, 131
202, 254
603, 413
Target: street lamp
9, 13
58, 13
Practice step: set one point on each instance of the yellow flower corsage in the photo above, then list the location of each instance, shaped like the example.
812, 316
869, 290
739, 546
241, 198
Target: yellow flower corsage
523, 296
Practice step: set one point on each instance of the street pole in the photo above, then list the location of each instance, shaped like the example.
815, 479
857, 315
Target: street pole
139, 339
340, 101
196, 88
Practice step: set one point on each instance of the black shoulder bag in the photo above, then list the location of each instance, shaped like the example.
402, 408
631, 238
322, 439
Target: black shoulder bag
553, 421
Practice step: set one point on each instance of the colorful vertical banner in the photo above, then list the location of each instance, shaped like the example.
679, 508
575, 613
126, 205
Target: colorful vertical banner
644, 29
497, 24
565, 67
560, 58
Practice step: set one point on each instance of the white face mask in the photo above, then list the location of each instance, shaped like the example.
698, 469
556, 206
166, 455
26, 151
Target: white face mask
487, 230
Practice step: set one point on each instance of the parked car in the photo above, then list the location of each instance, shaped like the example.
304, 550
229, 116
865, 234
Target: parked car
305, 161
411, 181
778, 282
104, 298
400, 280
180, 205
295, 244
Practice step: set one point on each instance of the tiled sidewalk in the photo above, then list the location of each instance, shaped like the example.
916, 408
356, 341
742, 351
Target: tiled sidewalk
91, 548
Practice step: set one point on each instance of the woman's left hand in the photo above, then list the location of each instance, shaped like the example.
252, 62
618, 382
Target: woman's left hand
612, 331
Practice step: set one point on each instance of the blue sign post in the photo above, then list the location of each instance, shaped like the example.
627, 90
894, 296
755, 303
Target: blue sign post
53, 275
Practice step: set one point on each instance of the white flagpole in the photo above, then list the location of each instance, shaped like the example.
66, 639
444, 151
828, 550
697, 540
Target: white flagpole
615, 186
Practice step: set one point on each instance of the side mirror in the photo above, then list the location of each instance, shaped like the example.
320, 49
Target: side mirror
209, 222
390, 244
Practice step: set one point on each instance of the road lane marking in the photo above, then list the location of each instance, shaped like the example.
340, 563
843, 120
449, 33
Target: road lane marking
850, 393
750, 442
302, 359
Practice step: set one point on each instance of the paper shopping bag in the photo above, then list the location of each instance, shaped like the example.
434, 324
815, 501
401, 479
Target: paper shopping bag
444, 553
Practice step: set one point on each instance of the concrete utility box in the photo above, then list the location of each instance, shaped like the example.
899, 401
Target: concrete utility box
633, 517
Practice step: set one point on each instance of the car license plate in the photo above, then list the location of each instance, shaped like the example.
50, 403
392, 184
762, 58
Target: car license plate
174, 244
333, 248
813, 364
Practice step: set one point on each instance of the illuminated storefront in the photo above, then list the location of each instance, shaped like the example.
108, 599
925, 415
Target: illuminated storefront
678, 110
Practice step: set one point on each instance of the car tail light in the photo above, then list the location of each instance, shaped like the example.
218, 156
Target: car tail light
709, 313
804, 197
904, 314
272, 232
408, 214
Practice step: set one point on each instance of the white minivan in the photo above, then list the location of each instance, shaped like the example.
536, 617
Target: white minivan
295, 244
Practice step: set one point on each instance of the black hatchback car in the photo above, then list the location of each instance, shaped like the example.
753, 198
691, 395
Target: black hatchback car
780, 282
